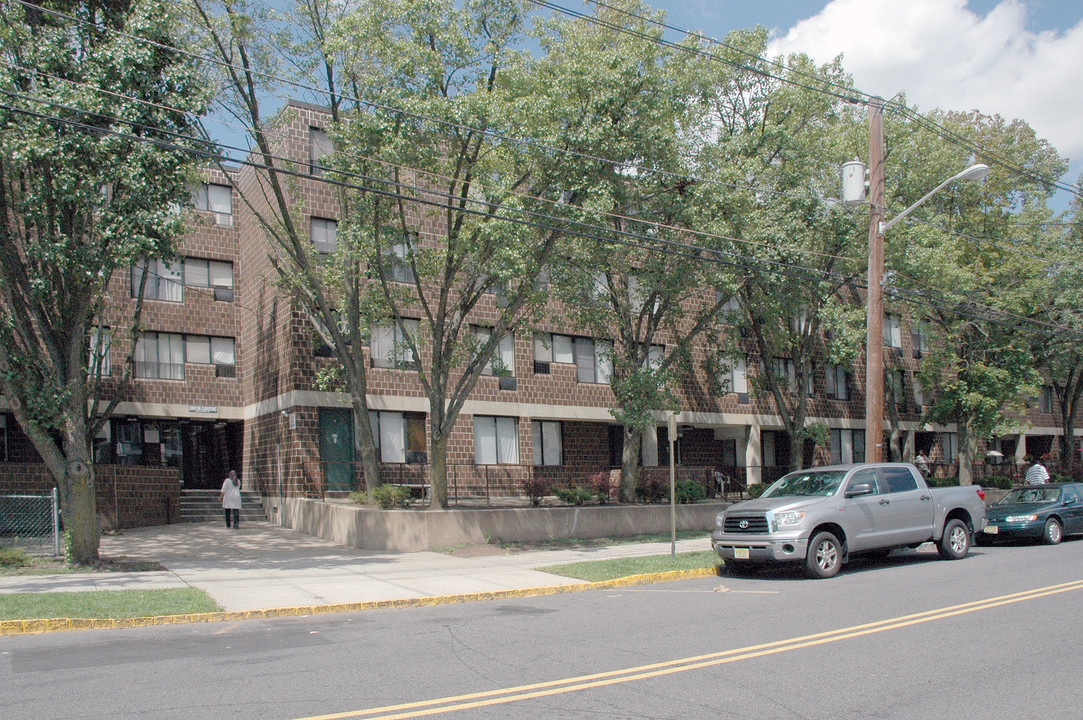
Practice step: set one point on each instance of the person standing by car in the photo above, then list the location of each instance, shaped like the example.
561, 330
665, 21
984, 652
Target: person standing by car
922, 464
231, 499
1036, 473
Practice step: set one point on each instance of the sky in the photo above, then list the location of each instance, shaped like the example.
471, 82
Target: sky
1016, 58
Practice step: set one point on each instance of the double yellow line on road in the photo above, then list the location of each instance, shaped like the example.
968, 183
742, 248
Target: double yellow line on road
520, 693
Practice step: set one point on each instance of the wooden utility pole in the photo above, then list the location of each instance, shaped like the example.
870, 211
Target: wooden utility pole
874, 341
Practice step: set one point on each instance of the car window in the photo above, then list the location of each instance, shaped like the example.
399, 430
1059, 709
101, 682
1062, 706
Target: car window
864, 476
1071, 494
898, 479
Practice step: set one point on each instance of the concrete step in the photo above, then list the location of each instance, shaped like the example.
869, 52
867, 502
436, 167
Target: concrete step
206, 506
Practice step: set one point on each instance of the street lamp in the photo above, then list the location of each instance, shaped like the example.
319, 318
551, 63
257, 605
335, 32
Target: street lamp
874, 321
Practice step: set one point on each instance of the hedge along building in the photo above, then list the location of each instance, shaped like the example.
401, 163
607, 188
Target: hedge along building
226, 371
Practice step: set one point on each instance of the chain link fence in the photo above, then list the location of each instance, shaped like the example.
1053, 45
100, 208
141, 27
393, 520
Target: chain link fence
31, 523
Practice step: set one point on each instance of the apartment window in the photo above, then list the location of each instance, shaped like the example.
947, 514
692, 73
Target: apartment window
837, 385
730, 308
547, 442
739, 380
159, 356
164, 280
919, 340
655, 355
599, 288
203, 350
786, 372
390, 348
892, 330
503, 360
215, 198
593, 360
919, 393
400, 436
98, 355
324, 234
4, 437
847, 446
496, 440
543, 353
1045, 400
949, 446
214, 274
397, 262
319, 146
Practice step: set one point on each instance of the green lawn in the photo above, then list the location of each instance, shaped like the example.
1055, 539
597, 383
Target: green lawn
615, 568
104, 604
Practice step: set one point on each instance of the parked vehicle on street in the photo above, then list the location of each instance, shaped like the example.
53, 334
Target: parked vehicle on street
1048, 512
822, 516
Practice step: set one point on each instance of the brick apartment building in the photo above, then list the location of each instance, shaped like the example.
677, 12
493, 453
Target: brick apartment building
225, 377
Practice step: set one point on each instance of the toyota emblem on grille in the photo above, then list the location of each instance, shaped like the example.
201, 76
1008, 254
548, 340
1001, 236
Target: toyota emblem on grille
743, 524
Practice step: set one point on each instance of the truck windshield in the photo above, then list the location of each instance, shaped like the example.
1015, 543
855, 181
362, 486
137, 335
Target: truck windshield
806, 483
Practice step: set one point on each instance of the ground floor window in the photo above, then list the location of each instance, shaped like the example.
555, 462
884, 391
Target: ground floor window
847, 446
496, 440
400, 436
547, 442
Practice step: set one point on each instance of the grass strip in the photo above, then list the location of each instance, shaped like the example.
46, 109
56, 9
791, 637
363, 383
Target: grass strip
105, 604
615, 568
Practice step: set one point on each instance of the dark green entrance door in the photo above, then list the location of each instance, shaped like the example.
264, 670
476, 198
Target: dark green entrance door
336, 449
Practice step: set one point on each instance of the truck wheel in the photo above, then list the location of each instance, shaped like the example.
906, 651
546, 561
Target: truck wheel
1053, 532
955, 542
824, 556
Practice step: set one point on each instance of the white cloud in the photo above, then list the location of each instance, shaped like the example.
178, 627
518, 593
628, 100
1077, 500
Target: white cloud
941, 54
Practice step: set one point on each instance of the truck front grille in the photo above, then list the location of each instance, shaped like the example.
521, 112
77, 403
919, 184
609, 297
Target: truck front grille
746, 524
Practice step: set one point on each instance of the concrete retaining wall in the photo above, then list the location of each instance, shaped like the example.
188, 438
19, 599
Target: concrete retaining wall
414, 530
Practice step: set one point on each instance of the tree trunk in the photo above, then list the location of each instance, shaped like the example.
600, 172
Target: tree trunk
438, 472
629, 464
968, 448
80, 513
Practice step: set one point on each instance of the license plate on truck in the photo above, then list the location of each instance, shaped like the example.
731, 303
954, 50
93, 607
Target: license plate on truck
740, 553
992, 529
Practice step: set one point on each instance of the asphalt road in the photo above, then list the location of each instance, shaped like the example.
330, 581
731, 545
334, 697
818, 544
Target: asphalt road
996, 635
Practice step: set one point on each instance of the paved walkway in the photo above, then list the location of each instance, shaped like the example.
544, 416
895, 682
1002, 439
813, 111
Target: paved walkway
263, 566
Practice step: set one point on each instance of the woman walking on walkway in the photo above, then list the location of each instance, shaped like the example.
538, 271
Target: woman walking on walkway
231, 499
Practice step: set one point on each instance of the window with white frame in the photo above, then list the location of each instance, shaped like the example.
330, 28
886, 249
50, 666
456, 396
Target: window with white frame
655, 355
205, 350
837, 382
391, 349
949, 446
503, 360
164, 280
847, 446
208, 273
786, 372
399, 436
324, 235
892, 331
159, 356
548, 449
496, 440
98, 351
593, 360
543, 353
319, 146
738, 378
919, 340
212, 197
397, 261
919, 393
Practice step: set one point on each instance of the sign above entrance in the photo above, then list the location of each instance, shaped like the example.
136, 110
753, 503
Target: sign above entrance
203, 409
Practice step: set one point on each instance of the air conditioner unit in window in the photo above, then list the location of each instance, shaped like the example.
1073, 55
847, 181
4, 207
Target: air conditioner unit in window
507, 383
541, 368
223, 219
225, 371
416, 457
223, 294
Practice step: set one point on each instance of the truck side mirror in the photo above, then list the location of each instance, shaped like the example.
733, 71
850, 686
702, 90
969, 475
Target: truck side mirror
858, 489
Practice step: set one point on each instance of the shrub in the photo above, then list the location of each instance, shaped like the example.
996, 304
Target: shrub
757, 489
13, 558
574, 495
941, 482
599, 483
1001, 482
690, 491
652, 489
391, 496
358, 497
536, 488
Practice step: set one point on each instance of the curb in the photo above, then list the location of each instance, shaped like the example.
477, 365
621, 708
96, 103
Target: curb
28, 627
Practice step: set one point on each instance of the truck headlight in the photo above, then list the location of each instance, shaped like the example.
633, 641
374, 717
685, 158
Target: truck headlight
1021, 518
789, 518
720, 520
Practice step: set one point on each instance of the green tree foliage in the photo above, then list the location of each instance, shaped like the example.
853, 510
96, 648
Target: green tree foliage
971, 272
93, 153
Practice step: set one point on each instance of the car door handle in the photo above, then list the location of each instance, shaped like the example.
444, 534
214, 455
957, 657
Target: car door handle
926, 498
885, 501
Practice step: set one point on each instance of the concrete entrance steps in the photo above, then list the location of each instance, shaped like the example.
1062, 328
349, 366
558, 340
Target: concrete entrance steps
205, 505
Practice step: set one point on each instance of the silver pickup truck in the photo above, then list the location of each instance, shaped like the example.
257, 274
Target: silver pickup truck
823, 515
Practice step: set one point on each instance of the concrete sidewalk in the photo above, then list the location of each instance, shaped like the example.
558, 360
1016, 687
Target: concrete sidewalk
263, 566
